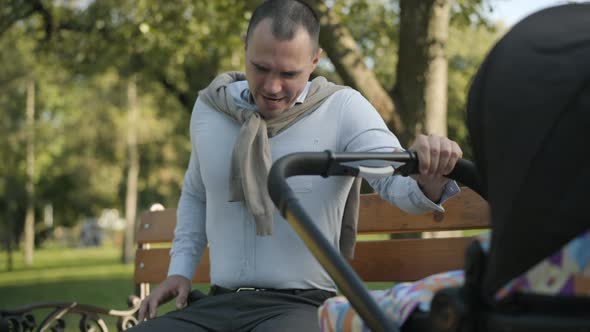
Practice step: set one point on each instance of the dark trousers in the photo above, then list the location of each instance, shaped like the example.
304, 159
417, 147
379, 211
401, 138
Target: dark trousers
256, 311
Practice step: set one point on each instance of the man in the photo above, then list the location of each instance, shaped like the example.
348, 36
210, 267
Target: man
239, 126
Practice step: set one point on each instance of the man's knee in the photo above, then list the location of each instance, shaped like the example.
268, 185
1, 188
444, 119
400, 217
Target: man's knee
167, 323
292, 321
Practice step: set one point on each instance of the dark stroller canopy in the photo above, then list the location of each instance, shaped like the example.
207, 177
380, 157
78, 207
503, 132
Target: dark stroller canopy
528, 115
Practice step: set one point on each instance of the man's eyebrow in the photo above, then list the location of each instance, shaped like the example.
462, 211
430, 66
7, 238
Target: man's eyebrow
291, 72
257, 65
288, 72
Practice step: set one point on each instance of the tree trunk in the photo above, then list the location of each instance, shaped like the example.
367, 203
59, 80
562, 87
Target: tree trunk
437, 69
29, 229
9, 261
132, 173
9, 229
421, 88
344, 53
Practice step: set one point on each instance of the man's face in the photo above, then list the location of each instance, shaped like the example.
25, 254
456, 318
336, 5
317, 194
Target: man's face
278, 70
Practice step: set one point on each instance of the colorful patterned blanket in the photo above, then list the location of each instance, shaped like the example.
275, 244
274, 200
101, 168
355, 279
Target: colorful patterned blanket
567, 272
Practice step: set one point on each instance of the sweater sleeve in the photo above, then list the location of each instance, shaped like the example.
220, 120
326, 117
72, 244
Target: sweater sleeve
190, 238
362, 130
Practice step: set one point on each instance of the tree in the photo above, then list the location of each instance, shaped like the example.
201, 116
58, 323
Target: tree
132, 171
348, 60
30, 188
85, 56
421, 88
419, 91
19, 128
61, 172
91, 51
466, 50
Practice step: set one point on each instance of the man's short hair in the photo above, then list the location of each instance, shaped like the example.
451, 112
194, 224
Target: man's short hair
287, 16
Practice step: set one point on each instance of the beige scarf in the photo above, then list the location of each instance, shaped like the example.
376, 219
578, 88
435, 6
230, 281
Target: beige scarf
251, 158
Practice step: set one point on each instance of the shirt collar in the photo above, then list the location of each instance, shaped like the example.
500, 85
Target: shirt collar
303, 94
245, 95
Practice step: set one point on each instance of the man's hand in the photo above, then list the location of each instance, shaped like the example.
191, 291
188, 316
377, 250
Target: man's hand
174, 286
438, 156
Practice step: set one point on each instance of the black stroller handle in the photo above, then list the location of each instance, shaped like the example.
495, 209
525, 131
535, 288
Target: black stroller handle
346, 164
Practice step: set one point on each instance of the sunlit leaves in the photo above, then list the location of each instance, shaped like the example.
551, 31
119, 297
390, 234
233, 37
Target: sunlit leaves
82, 56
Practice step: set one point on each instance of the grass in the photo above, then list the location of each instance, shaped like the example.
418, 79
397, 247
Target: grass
85, 275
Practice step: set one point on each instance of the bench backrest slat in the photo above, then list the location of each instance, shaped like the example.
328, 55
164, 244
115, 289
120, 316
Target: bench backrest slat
467, 210
388, 260
156, 227
151, 266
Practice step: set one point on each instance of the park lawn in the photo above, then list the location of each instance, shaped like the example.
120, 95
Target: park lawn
85, 275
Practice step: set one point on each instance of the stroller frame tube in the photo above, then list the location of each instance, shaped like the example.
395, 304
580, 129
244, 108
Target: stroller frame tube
330, 164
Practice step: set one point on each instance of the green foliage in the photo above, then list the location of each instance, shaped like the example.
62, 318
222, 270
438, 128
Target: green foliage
472, 13
466, 49
81, 129
81, 55
180, 44
375, 27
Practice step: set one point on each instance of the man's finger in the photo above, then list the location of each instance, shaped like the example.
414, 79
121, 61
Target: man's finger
142, 311
181, 301
153, 305
434, 143
445, 157
456, 154
421, 147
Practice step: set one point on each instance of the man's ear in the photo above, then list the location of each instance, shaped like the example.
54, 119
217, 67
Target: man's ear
316, 57
245, 40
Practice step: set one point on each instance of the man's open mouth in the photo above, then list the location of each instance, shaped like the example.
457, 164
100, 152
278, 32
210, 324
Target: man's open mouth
272, 99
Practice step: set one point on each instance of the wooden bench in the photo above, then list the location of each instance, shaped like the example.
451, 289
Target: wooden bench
382, 260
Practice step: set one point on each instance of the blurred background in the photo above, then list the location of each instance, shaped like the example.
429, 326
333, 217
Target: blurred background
96, 97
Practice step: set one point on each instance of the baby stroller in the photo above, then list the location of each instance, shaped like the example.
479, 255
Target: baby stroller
452, 309
528, 115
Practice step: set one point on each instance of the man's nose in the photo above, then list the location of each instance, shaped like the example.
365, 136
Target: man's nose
272, 85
